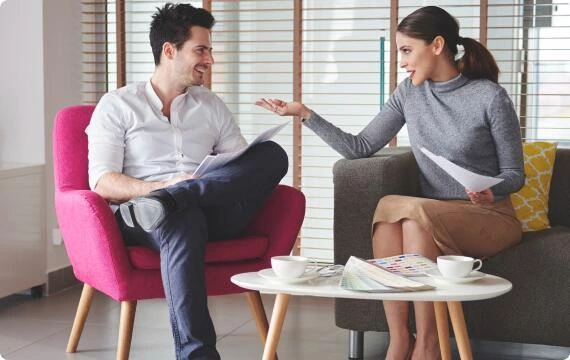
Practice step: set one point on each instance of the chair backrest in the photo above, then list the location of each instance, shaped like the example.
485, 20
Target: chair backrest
92, 238
70, 147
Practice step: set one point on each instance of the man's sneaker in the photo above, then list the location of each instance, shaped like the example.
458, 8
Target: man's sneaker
147, 211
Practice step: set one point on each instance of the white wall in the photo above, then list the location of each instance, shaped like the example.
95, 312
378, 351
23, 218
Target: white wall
40, 72
21, 82
62, 87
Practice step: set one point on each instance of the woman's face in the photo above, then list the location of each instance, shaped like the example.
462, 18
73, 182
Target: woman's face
417, 57
194, 59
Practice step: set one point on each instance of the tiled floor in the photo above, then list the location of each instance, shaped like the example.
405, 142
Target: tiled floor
39, 329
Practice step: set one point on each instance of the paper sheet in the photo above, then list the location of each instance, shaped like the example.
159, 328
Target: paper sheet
468, 179
212, 162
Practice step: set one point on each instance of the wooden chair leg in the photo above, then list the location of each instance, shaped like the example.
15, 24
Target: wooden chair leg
80, 317
258, 312
127, 321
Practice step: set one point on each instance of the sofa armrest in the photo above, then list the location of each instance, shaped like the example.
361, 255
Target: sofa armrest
559, 202
358, 186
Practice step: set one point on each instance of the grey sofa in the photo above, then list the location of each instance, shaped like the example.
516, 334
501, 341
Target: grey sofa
536, 311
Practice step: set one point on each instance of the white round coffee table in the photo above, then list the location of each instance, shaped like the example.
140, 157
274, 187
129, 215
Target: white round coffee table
444, 294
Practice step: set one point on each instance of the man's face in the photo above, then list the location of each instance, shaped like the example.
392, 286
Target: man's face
193, 60
416, 57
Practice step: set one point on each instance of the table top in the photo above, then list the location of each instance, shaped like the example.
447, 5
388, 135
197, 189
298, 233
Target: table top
488, 287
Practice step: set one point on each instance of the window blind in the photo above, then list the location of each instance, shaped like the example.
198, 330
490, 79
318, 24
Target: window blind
95, 28
345, 68
345, 64
253, 53
531, 42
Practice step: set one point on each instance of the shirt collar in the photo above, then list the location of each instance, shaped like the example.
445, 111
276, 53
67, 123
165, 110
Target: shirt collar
152, 96
155, 100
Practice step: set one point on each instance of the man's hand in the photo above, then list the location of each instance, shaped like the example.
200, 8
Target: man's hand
177, 179
283, 108
481, 198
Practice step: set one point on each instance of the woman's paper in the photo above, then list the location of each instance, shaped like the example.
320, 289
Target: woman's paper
212, 162
468, 179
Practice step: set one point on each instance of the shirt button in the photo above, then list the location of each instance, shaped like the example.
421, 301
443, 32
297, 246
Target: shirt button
179, 155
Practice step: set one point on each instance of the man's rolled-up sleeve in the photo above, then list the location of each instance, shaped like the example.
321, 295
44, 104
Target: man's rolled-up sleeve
106, 139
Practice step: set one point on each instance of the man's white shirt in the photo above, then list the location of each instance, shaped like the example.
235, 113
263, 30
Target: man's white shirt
129, 134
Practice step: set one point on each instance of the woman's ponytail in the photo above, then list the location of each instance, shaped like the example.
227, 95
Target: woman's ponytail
477, 62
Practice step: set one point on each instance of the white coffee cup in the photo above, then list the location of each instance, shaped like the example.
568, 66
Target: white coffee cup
456, 265
289, 266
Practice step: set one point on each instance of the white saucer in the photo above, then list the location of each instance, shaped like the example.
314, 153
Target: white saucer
270, 275
473, 276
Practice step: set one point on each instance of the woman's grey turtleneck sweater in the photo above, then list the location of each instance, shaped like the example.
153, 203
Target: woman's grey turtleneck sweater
470, 122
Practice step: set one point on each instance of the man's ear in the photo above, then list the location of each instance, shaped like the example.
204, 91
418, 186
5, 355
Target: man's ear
438, 45
168, 50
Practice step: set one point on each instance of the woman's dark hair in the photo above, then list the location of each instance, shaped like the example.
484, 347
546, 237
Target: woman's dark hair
172, 24
428, 22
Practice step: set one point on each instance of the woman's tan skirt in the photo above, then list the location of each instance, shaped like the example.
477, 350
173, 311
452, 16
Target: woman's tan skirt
457, 226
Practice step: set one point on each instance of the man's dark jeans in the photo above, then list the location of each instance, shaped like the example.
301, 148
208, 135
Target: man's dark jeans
215, 207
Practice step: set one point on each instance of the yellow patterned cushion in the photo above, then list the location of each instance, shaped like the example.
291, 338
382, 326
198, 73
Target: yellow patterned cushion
531, 202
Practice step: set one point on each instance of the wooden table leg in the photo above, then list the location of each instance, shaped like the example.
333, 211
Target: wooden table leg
442, 329
258, 312
275, 326
460, 330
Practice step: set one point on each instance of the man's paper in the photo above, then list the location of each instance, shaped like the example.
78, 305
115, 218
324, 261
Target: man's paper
468, 179
212, 162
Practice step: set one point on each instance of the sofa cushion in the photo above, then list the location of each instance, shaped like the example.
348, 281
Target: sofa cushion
537, 309
531, 202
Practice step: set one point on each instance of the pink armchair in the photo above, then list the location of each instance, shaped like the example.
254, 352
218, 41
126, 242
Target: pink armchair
101, 260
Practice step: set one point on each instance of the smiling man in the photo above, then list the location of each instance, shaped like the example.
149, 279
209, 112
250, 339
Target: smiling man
145, 141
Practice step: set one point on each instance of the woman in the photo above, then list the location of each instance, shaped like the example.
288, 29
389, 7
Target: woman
455, 109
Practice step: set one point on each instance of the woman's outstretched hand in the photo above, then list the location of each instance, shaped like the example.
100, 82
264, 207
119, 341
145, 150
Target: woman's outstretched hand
482, 198
283, 108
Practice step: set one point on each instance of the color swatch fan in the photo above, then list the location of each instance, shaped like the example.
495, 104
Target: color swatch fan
406, 264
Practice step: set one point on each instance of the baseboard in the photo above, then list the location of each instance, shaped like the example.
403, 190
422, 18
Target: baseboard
59, 280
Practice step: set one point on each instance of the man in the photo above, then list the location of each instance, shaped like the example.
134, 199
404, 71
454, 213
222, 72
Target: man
144, 141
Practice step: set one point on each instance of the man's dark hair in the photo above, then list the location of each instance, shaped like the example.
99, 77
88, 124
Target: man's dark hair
172, 24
